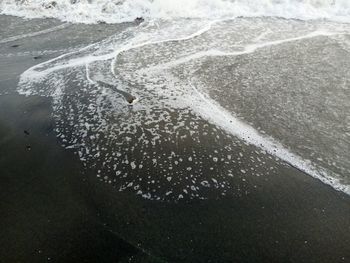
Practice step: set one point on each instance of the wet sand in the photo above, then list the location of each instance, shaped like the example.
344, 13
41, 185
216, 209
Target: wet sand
55, 210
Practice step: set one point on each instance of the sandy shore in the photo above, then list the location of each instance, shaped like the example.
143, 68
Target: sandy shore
55, 210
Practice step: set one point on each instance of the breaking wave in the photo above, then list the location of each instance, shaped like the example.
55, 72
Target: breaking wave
117, 11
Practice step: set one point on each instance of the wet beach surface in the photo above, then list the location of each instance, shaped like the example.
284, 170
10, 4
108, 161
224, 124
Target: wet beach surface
55, 209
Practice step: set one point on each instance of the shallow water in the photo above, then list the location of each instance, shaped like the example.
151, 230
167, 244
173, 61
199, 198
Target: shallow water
280, 86
257, 208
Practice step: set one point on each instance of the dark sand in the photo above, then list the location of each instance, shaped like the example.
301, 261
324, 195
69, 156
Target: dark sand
53, 210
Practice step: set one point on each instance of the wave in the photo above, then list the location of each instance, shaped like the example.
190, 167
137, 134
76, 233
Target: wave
149, 56
118, 11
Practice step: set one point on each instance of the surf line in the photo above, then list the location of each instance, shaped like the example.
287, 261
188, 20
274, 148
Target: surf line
193, 35
251, 48
34, 73
216, 114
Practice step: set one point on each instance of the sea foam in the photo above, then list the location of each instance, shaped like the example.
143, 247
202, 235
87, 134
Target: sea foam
117, 11
116, 60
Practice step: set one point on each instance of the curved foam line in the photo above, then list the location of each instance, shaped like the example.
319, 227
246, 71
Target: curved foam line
36, 74
195, 34
219, 116
210, 109
88, 75
251, 48
89, 59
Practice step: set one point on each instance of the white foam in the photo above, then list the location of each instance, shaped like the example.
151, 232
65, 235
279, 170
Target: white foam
116, 11
41, 32
194, 99
248, 49
35, 72
212, 111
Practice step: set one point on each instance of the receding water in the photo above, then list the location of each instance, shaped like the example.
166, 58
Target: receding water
278, 85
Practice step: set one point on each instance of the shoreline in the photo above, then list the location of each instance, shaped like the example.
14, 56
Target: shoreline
56, 210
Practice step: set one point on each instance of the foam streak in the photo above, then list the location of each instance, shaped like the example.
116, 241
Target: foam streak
33, 34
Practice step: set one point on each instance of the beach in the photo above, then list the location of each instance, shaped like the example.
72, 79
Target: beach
178, 176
